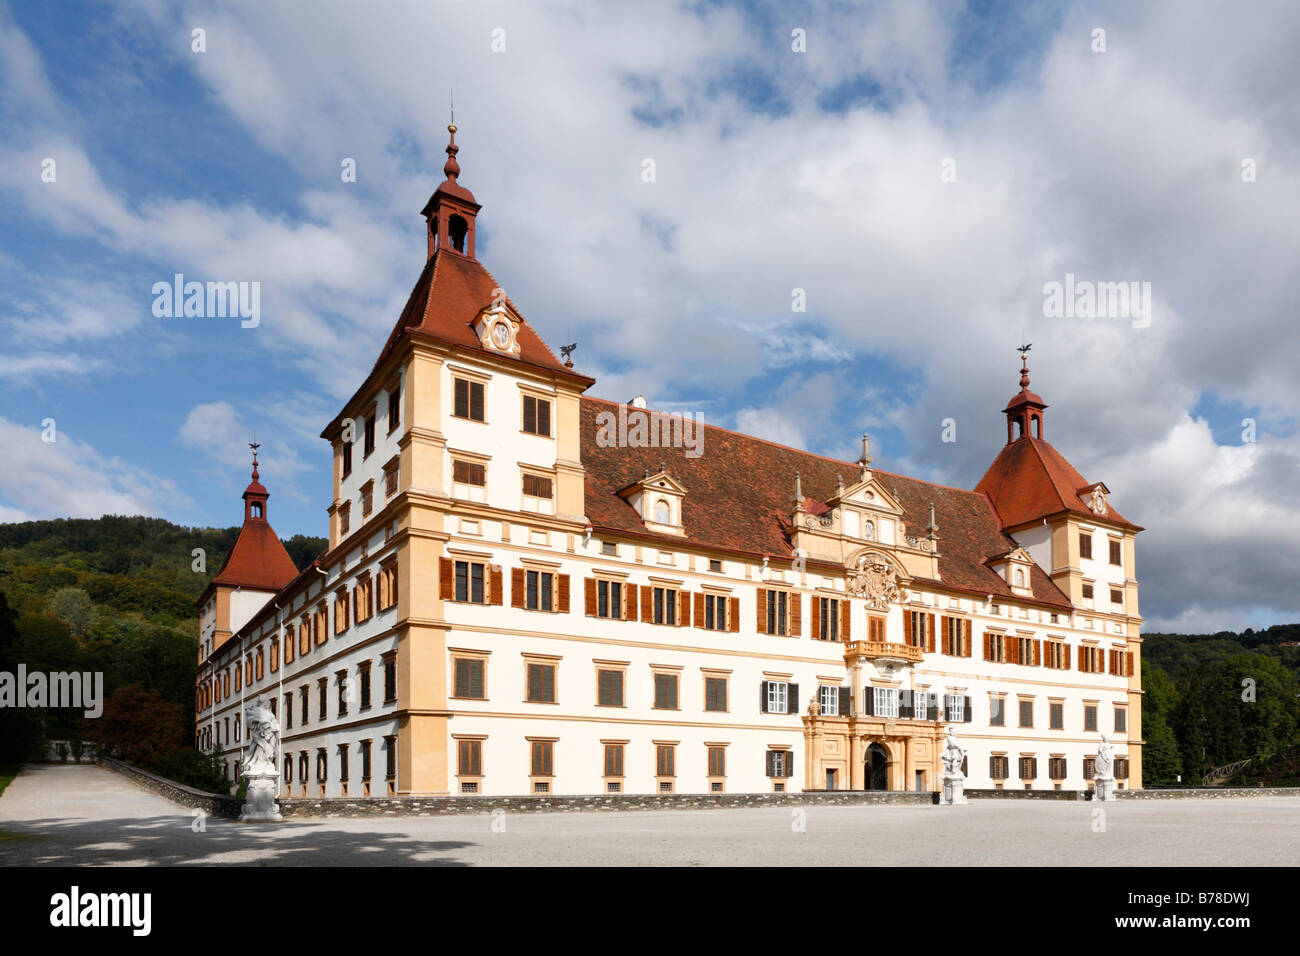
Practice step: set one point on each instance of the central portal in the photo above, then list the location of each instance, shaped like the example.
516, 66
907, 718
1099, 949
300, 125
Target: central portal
876, 772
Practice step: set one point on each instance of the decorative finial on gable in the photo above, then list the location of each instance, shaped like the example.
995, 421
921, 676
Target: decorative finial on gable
798, 491
932, 527
865, 461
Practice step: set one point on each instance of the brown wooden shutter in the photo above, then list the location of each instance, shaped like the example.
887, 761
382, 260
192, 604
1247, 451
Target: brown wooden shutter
1065, 656
796, 614
629, 602
445, 588
815, 614
1011, 649
699, 609
966, 642
495, 597
988, 646
1081, 661
845, 619
733, 614
943, 633
762, 611
589, 596
683, 609
907, 626
647, 612
929, 633
516, 587
1128, 661
562, 593
1038, 653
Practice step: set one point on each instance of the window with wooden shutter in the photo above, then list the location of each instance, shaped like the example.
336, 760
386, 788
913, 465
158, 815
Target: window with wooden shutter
1085, 544
610, 683
665, 691
717, 761
537, 416
469, 678
543, 758
663, 605
665, 760
470, 758
541, 683
468, 400
715, 694
613, 760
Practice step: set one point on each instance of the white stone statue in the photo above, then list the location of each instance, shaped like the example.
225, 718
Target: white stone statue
259, 770
1103, 772
954, 781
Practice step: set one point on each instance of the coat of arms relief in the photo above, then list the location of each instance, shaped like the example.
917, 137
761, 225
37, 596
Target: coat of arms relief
875, 581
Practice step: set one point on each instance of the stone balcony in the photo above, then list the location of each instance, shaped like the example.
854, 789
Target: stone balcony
882, 651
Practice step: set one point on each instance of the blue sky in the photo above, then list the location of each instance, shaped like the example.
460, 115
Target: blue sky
776, 170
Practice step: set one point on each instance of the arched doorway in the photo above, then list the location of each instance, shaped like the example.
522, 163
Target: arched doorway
876, 772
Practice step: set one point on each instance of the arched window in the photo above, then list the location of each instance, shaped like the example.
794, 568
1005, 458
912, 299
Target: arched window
663, 515
257, 509
1020, 577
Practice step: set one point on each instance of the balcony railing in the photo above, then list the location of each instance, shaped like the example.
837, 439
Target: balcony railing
881, 650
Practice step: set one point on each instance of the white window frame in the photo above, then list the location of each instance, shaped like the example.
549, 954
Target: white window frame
886, 701
778, 697
954, 704
830, 700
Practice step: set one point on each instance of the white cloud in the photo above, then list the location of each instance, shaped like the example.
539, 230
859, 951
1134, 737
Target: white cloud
70, 478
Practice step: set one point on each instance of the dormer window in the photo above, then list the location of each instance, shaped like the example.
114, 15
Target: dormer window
657, 499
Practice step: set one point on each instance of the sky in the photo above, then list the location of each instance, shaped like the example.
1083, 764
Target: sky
854, 213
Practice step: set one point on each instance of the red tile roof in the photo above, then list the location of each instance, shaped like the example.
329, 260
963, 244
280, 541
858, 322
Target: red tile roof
451, 293
738, 499
1030, 480
258, 560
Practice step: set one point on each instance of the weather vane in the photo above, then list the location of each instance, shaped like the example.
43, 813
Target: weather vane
567, 351
1024, 350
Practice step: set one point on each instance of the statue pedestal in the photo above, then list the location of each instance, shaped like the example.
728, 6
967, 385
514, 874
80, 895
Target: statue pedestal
954, 785
1105, 788
259, 799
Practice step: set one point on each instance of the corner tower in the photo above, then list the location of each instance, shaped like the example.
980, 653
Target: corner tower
254, 570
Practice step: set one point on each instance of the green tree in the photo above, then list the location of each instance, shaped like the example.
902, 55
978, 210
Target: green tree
73, 607
1161, 760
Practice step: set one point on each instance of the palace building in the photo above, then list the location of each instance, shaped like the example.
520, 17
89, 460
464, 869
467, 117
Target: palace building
512, 602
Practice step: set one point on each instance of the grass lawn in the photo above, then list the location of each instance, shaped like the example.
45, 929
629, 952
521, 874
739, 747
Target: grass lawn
7, 772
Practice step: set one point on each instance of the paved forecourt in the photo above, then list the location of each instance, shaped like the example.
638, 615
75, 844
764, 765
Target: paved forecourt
89, 815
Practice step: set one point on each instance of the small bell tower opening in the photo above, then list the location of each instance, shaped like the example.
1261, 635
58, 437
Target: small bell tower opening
457, 227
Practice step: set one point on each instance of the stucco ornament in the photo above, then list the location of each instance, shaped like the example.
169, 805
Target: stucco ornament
874, 581
1098, 503
259, 770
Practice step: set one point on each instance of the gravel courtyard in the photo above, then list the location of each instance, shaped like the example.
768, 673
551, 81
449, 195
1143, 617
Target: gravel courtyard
92, 816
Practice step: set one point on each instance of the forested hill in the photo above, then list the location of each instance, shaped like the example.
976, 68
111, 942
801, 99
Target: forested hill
114, 594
